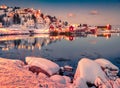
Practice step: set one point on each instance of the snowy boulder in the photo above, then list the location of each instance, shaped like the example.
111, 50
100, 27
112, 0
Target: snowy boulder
106, 64
79, 83
44, 64
93, 71
109, 84
101, 84
61, 79
37, 70
68, 68
67, 79
110, 69
117, 82
58, 78
89, 70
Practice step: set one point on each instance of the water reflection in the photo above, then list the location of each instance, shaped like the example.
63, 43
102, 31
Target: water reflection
23, 42
64, 50
40, 40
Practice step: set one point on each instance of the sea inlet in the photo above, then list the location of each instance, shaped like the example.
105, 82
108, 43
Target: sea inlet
62, 49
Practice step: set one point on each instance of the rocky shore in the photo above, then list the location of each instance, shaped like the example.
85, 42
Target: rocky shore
43, 73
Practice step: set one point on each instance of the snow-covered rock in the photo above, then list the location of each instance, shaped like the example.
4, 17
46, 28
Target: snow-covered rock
110, 69
61, 79
42, 75
68, 68
117, 82
58, 78
67, 79
92, 87
44, 64
89, 70
79, 83
101, 84
95, 72
107, 64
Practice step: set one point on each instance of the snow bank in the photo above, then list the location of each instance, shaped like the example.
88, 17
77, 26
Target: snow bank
44, 64
13, 74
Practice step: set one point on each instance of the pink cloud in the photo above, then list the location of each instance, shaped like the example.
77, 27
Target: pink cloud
70, 15
94, 12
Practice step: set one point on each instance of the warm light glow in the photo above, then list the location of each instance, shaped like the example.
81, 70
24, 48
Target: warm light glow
3, 7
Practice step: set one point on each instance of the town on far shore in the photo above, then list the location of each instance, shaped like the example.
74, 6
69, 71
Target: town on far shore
17, 20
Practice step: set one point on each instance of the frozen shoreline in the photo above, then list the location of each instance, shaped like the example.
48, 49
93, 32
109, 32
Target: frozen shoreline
43, 73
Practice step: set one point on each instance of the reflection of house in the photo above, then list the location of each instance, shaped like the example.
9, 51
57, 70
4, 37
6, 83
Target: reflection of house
70, 38
27, 44
107, 27
106, 35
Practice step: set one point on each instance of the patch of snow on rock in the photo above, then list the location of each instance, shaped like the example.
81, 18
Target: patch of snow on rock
44, 64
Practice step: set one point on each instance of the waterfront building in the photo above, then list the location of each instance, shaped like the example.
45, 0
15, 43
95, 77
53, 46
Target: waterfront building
3, 7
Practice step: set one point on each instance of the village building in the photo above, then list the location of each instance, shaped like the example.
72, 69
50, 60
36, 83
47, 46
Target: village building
3, 7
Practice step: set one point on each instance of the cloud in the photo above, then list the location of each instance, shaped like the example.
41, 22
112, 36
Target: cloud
70, 15
94, 12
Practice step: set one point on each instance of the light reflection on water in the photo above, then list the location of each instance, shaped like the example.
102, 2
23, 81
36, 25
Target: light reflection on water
64, 50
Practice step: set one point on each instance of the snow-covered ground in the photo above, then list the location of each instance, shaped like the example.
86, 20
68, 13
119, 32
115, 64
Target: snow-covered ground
20, 29
14, 73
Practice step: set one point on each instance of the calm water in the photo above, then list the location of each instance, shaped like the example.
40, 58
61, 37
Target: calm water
62, 49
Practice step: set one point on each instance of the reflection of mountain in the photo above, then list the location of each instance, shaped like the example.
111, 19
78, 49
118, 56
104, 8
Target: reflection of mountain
23, 42
38, 41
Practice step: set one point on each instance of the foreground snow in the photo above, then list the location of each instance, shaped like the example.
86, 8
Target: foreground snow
20, 29
99, 73
14, 74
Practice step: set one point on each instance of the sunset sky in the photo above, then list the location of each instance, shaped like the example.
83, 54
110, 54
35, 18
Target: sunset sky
94, 12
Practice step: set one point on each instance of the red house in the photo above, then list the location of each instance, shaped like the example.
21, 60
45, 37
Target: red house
71, 28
